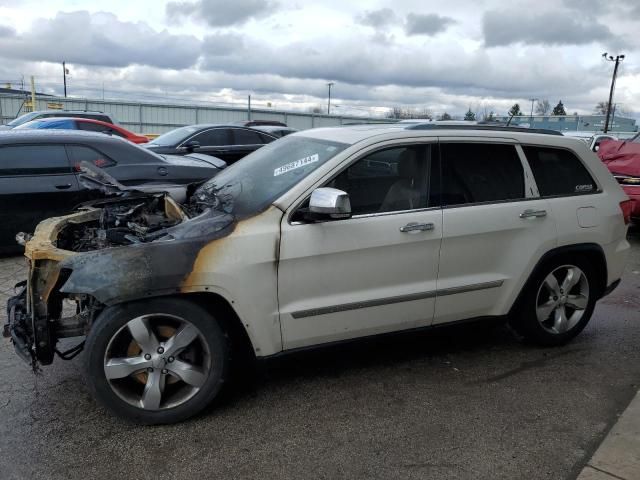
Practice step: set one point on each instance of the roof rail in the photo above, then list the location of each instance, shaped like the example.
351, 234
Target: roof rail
497, 128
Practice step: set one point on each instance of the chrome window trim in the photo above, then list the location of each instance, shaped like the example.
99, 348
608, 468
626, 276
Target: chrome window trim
313, 312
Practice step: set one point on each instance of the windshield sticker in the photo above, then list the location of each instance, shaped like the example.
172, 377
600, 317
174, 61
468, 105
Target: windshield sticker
584, 188
297, 164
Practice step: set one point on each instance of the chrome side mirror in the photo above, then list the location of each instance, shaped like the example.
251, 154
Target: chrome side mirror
331, 202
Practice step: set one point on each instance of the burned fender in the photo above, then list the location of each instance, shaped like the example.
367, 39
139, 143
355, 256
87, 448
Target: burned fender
143, 270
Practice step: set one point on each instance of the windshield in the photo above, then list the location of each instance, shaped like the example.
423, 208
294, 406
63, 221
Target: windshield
174, 136
47, 124
22, 119
253, 183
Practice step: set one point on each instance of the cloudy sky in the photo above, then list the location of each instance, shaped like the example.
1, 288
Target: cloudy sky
444, 56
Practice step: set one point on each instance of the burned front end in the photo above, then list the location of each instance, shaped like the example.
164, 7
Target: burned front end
107, 252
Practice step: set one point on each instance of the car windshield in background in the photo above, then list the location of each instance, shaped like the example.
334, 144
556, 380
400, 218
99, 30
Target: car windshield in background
253, 183
47, 124
21, 119
174, 136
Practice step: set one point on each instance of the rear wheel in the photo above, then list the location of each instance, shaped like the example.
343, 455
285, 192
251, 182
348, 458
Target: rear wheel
158, 361
558, 302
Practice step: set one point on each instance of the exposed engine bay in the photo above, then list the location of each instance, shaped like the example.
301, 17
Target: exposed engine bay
137, 220
133, 216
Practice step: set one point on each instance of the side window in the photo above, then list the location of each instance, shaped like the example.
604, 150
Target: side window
477, 173
80, 153
115, 132
267, 138
559, 172
389, 180
213, 137
91, 127
34, 160
246, 137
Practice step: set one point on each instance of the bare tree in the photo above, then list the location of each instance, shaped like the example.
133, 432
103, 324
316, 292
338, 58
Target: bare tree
315, 109
402, 113
601, 108
543, 107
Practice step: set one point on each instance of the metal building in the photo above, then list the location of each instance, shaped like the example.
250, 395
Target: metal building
156, 118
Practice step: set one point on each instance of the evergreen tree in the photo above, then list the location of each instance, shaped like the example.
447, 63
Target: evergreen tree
445, 116
559, 109
515, 110
469, 116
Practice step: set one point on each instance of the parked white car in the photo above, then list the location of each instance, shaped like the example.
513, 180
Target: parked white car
323, 236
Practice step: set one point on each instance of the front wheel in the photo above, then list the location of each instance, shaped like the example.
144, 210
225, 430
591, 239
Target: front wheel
157, 361
557, 303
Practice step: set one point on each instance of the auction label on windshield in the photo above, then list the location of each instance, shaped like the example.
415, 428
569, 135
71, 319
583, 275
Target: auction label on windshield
297, 164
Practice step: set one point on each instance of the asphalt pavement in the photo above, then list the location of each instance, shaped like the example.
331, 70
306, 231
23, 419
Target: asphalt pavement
467, 402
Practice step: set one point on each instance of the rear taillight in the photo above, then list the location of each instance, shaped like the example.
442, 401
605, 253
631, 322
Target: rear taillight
626, 206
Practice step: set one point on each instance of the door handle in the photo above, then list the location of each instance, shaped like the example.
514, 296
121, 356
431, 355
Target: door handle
533, 214
163, 171
64, 186
417, 227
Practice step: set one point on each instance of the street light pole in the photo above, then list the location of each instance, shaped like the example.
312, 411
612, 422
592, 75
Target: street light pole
64, 78
617, 60
532, 100
330, 84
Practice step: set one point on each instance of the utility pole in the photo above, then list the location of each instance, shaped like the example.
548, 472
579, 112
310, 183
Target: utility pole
249, 109
532, 101
330, 84
64, 78
33, 94
617, 59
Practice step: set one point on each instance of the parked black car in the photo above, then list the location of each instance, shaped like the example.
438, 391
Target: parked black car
39, 173
228, 142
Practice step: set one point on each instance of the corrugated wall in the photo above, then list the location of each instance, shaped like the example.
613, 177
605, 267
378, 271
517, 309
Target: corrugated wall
160, 118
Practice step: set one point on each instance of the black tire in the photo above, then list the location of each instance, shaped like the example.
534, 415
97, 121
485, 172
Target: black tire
524, 318
113, 319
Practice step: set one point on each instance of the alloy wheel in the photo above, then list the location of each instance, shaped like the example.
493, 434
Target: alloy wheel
157, 361
562, 299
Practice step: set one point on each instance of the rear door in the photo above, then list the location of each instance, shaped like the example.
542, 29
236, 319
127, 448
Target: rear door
245, 141
216, 142
495, 228
36, 182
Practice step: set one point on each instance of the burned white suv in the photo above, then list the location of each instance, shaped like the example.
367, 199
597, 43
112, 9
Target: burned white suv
323, 236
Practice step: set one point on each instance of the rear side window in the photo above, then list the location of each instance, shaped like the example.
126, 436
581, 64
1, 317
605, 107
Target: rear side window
477, 173
246, 137
81, 153
213, 137
92, 127
559, 172
33, 160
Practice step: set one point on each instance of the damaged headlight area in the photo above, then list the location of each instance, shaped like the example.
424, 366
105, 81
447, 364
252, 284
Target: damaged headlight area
38, 315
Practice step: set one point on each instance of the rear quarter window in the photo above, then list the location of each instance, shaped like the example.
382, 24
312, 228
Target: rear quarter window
559, 172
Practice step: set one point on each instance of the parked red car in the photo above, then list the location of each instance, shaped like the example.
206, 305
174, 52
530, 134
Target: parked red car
622, 157
87, 124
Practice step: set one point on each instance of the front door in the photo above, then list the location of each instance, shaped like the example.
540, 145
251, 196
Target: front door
375, 272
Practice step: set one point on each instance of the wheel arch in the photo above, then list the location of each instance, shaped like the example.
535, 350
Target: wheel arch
219, 306
591, 251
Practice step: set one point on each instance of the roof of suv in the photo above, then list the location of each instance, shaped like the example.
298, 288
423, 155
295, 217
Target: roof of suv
356, 133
